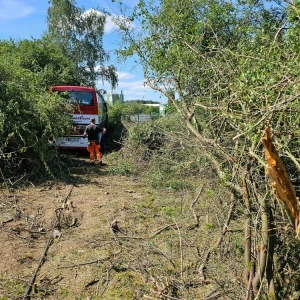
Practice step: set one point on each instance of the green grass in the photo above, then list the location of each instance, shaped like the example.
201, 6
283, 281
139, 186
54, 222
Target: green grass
11, 288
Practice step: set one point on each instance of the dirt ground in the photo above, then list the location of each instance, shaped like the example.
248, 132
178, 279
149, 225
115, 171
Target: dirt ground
96, 236
79, 215
103, 236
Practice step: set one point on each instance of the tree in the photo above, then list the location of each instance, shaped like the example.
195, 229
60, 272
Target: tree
79, 34
232, 71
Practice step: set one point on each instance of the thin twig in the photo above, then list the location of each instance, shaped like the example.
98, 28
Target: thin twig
156, 250
196, 217
55, 221
141, 237
161, 230
181, 252
7, 221
169, 297
4, 182
90, 262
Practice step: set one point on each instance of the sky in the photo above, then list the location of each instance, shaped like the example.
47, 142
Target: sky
26, 19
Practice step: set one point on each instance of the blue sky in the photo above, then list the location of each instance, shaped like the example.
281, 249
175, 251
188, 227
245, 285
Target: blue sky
26, 19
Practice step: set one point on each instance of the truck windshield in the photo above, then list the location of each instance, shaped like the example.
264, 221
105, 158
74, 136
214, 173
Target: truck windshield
79, 98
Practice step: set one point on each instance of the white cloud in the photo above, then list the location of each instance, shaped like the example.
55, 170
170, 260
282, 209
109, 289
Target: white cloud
110, 25
124, 75
113, 22
133, 85
134, 90
131, 90
14, 9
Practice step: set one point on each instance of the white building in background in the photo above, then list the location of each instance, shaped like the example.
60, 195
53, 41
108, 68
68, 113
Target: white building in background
162, 108
113, 98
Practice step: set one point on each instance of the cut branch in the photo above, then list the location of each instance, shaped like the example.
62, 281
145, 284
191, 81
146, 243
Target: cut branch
280, 181
49, 242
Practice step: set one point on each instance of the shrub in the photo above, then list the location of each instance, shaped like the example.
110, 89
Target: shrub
29, 116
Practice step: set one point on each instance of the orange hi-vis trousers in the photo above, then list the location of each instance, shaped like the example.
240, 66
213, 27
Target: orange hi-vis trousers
93, 148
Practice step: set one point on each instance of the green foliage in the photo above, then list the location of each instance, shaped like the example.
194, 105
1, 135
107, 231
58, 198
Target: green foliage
229, 68
131, 108
115, 125
169, 211
29, 114
120, 112
79, 34
139, 107
210, 226
161, 144
123, 168
64, 292
40, 59
115, 114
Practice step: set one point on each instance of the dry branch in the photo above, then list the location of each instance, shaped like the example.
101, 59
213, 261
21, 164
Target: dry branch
55, 222
7, 221
280, 181
96, 261
161, 230
157, 251
144, 237
196, 217
169, 297
247, 234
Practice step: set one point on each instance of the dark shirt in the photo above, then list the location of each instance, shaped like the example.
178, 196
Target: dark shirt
92, 131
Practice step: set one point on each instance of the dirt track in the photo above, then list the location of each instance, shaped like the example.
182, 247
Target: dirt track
115, 238
84, 234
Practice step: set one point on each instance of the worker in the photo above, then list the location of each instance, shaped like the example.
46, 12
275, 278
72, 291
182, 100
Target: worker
92, 132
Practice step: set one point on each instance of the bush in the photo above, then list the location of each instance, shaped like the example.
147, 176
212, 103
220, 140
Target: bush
29, 116
164, 151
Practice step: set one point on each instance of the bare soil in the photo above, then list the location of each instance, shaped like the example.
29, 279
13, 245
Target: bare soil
102, 236
94, 236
